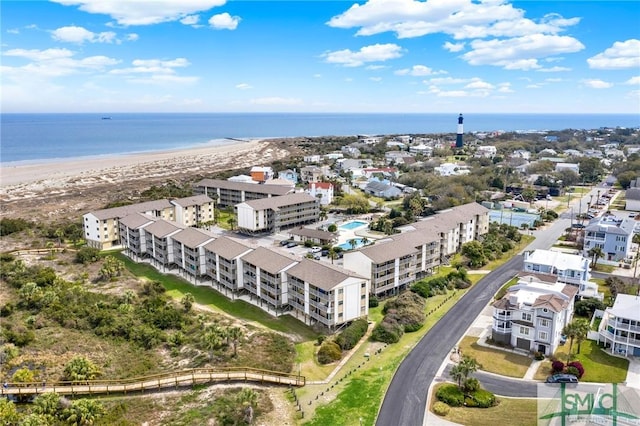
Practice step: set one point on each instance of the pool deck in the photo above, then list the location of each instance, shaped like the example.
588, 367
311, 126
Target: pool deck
344, 235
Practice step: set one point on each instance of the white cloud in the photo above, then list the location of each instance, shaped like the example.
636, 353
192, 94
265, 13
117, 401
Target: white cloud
460, 18
40, 55
505, 88
622, 54
73, 34
633, 80
243, 86
372, 53
153, 66
597, 84
554, 69
317, 76
477, 83
224, 21
132, 37
375, 67
376, 79
521, 52
51, 63
434, 90
453, 47
446, 80
276, 101
136, 12
418, 71
190, 20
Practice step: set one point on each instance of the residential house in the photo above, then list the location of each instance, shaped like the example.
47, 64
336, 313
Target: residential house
619, 328
613, 235
382, 189
194, 211
315, 159
227, 193
321, 190
451, 169
574, 167
242, 179
353, 163
396, 144
632, 198
572, 153
351, 151
486, 151
532, 314
521, 153
290, 175
313, 173
276, 213
320, 293
335, 155
422, 149
369, 140
567, 268
261, 173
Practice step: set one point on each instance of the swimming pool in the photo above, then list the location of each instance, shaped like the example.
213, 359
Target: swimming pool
347, 246
353, 224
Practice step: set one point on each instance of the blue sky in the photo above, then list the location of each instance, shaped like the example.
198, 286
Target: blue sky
320, 56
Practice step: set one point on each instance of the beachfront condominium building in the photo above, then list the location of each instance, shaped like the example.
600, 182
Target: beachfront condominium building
566, 268
532, 314
619, 328
320, 293
194, 211
189, 252
224, 265
132, 233
392, 265
612, 235
227, 193
158, 243
276, 213
102, 229
264, 277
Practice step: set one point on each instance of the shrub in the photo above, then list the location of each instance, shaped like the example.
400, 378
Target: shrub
87, 254
557, 366
351, 335
471, 385
450, 395
578, 366
440, 408
373, 301
572, 370
329, 352
470, 402
411, 319
538, 355
484, 398
387, 331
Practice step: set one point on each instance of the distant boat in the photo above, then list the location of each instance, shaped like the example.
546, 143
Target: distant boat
106, 118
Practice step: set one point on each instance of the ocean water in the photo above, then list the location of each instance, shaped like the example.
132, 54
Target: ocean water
34, 137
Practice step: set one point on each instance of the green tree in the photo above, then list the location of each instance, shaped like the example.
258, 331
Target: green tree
212, 339
80, 369
232, 222
87, 254
332, 228
595, 253
111, 268
235, 334
23, 375
576, 330
468, 365
47, 405
474, 251
8, 412
187, 301
83, 412
457, 374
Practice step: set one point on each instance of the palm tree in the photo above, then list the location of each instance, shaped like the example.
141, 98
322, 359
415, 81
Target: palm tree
575, 330
364, 241
457, 374
582, 328
468, 365
353, 243
187, 301
211, 340
332, 254
235, 334
232, 222
596, 253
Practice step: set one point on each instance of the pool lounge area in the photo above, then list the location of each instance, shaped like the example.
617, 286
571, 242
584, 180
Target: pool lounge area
347, 246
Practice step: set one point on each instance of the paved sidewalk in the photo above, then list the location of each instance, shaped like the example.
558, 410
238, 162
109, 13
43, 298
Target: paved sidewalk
633, 373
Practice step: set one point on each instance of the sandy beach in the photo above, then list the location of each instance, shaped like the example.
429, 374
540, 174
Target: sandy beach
69, 188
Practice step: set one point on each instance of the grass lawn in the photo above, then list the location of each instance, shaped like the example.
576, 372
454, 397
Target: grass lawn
503, 290
603, 268
309, 366
177, 287
495, 360
360, 395
599, 366
511, 411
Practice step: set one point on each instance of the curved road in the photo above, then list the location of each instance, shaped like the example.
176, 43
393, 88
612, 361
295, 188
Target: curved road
406, 398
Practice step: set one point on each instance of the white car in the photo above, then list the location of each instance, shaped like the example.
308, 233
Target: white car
315, 249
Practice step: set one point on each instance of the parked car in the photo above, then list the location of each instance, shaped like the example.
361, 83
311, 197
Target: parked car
315, 249
291, 244
324, 252
562, 378
284, 243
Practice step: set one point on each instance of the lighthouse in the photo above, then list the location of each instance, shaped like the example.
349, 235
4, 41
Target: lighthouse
459, 142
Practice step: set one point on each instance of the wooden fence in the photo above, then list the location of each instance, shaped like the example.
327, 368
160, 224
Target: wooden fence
155, 382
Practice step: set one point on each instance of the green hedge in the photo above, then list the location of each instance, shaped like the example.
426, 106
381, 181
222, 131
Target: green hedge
351, 335
450, 395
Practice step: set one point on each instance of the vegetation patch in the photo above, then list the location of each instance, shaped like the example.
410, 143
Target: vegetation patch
495, 360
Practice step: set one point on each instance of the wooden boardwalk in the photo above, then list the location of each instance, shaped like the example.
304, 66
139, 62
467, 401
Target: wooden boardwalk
182, 378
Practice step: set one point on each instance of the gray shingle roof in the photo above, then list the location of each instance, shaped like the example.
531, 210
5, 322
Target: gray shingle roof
161, 228
118, 212
242, 186
227, 247
386, 251
192, 237
195, 200
318, 274
632, 194
136, 220
268, 260
275, 203
313, 233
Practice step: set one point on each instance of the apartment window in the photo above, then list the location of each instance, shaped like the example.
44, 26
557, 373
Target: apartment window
340, 303
526, 316
524, 331
340, 290
543, 335
544, 323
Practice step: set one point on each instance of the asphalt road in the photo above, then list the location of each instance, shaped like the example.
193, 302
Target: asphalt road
502, 385
406, 399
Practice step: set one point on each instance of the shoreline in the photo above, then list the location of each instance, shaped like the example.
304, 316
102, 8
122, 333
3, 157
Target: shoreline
29, 171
